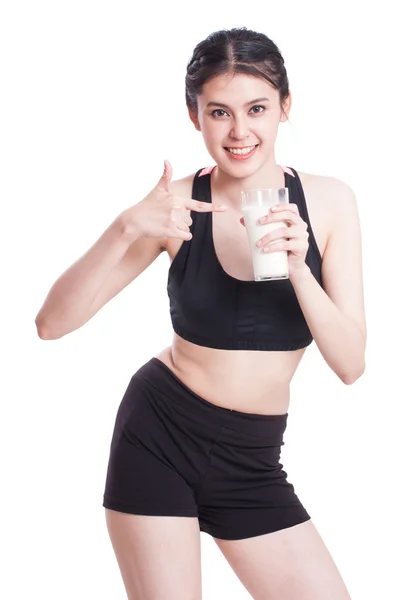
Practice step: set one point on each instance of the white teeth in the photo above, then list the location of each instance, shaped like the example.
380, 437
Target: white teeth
241, 150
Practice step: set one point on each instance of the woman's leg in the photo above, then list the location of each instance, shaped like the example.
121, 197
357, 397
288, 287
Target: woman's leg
151, 512
289, 564
159, 557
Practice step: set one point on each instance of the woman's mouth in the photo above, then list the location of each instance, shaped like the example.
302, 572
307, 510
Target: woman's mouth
243, 153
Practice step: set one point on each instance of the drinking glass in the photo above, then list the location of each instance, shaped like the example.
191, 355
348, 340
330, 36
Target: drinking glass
267, 266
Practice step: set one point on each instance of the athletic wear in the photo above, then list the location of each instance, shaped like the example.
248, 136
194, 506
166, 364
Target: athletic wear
174, 453
210, 308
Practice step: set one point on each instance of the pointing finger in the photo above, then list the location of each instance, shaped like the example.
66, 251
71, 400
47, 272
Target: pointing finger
200, 206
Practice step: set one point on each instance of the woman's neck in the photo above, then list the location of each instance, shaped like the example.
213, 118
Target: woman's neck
227, 188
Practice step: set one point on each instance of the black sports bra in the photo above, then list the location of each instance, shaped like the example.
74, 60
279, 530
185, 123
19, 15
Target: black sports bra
210, 308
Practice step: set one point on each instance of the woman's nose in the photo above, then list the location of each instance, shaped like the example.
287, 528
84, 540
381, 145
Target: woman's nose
239, 130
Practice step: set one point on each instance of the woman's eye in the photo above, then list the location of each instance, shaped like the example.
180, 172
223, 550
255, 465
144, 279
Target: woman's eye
256, 109
217, 112
258, 106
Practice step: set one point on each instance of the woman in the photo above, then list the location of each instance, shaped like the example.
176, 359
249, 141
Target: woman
199, 431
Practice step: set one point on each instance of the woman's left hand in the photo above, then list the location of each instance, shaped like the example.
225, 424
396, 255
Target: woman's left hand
293, 237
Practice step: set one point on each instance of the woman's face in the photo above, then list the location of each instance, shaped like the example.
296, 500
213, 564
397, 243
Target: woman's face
239, 117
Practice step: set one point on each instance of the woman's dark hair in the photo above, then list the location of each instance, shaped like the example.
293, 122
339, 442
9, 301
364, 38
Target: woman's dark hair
237, 50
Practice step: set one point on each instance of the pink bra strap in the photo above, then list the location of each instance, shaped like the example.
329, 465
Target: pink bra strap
206, 171
287, 170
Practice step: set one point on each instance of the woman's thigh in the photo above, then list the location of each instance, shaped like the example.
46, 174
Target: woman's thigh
290, 564
159, 557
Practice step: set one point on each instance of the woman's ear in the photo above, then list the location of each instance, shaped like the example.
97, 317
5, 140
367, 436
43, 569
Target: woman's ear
287, 105
194, 119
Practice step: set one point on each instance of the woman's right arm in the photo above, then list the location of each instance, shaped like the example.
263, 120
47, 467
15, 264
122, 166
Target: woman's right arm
117, 257
129, 245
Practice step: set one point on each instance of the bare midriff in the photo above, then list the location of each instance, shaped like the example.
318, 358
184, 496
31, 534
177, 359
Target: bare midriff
242, 380
248, 381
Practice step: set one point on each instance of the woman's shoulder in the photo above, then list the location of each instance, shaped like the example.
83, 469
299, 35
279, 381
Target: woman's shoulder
328, 199
183, 186
326, 186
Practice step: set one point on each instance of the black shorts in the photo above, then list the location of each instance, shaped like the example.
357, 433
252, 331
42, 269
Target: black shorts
174, 453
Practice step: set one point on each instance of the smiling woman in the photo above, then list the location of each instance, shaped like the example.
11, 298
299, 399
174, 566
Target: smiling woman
198, 434
240, 130
261, 113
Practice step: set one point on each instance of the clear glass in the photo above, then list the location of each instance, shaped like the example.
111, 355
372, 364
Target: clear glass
267, 266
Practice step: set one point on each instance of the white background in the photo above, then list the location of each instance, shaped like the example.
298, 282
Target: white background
92, 102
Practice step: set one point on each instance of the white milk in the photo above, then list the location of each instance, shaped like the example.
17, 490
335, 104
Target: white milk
267, 265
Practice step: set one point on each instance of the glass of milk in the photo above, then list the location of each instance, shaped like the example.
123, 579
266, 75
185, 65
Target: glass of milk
256, 204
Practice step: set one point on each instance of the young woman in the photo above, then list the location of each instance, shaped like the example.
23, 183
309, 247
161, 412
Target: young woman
198, 433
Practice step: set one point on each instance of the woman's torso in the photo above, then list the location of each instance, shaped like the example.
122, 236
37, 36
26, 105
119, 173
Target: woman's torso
243, 380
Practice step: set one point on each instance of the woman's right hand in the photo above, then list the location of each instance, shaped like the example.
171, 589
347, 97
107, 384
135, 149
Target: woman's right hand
161, 214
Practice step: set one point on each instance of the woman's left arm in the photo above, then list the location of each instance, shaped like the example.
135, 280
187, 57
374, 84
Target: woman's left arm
336, 315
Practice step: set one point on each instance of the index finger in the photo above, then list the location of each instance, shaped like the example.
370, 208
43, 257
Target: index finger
199, 206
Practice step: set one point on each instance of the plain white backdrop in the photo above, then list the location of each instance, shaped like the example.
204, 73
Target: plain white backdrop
92, 102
